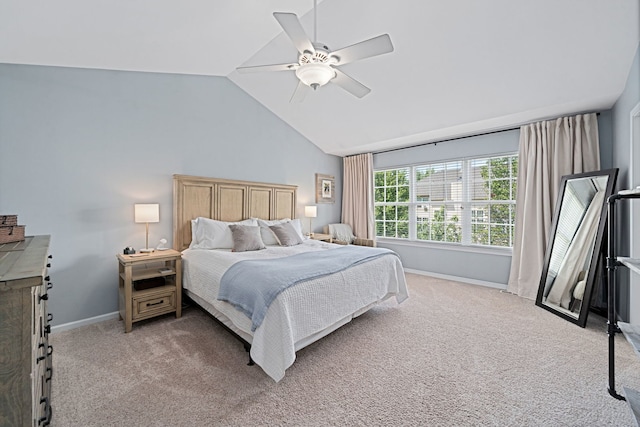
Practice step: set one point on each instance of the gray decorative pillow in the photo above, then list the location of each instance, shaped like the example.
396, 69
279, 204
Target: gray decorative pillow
286, 234
246, 238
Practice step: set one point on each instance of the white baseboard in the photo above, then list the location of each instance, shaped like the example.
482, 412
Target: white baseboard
458, 279
84, 322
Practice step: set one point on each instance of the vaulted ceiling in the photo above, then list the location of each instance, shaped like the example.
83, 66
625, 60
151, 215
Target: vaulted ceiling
459, 67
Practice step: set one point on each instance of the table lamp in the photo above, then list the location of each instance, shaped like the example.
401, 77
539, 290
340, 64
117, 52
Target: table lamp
310, 212
147, 212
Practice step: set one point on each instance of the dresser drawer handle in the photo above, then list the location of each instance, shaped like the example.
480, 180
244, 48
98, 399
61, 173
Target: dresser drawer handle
44, 356
47, 329
50, 372
46, 420
43, 297
49, 317
47, 278
49, 352
149, 304
49, 285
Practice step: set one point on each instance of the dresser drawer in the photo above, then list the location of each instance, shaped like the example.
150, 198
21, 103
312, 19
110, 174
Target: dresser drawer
153, 302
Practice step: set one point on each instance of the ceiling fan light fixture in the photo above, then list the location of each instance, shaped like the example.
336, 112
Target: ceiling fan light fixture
317, 64
315, 74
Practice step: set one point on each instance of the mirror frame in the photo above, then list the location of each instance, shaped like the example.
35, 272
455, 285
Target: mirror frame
581, 320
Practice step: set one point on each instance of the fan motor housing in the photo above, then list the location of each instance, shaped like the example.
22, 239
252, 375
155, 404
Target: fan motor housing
321, 55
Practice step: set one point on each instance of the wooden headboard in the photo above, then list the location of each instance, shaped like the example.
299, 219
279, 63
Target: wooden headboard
226, 200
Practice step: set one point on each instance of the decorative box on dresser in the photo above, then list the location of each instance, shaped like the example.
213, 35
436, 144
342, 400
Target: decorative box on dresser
25, 353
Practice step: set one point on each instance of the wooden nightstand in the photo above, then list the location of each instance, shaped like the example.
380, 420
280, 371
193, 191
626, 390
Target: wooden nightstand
323, 237
149, 285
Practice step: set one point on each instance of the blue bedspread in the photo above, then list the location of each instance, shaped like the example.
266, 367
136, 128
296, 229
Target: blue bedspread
252, 285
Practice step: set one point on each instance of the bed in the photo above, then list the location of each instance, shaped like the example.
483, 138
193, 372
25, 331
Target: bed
299, 315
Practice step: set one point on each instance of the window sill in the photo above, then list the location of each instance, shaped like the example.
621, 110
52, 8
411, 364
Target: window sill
447, 246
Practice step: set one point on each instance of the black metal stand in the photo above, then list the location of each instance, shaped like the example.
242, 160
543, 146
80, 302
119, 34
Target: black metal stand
612, 323
612, 265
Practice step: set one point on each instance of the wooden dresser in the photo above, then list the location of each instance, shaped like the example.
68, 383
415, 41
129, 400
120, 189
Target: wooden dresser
25, 353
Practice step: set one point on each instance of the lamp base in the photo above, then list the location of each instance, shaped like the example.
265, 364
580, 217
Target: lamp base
145, 250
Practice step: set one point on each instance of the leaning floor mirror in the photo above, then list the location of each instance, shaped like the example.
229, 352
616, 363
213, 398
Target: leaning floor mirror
574, 246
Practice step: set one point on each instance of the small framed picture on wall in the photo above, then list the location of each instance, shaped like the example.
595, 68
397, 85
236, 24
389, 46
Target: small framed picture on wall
325, 188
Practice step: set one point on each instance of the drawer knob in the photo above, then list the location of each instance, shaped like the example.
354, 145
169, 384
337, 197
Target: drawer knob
43, 297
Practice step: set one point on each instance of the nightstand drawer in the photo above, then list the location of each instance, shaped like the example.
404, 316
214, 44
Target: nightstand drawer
149, 304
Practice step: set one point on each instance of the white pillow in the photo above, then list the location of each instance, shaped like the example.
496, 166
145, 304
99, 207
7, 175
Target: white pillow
298, 226
212, 234
194, 226
268, 237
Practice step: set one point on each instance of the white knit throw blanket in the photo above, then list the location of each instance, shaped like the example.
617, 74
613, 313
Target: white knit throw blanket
342, 232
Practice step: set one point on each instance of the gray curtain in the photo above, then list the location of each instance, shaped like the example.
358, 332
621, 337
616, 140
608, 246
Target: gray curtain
357, 194
548, 151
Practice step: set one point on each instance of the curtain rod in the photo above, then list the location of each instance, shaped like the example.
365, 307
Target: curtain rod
422, 144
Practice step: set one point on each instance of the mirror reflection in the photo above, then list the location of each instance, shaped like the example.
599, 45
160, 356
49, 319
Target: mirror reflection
567, 280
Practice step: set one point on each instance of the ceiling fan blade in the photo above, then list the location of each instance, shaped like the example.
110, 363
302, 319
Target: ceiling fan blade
273, 67
347, 83
300, 93
366, 49
291, 25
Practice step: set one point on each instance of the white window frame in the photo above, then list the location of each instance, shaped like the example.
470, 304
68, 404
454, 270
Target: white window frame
467, 204
396, 203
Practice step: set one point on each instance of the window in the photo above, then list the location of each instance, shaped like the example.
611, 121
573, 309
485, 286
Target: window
470, 202
392, 213
438, 192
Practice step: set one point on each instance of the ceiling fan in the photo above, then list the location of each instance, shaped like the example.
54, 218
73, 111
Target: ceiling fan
317, 64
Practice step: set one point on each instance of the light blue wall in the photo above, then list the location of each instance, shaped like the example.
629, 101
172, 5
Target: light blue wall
621, 157
621, 122
443, 259
79, 147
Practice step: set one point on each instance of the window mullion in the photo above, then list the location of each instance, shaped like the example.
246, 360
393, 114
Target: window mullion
466, 207
413, 234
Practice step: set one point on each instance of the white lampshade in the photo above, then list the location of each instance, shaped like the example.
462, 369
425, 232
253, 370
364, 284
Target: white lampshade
147, 212
311, 211
315, 74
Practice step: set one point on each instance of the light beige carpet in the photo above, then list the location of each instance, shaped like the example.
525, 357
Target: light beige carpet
451, 355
